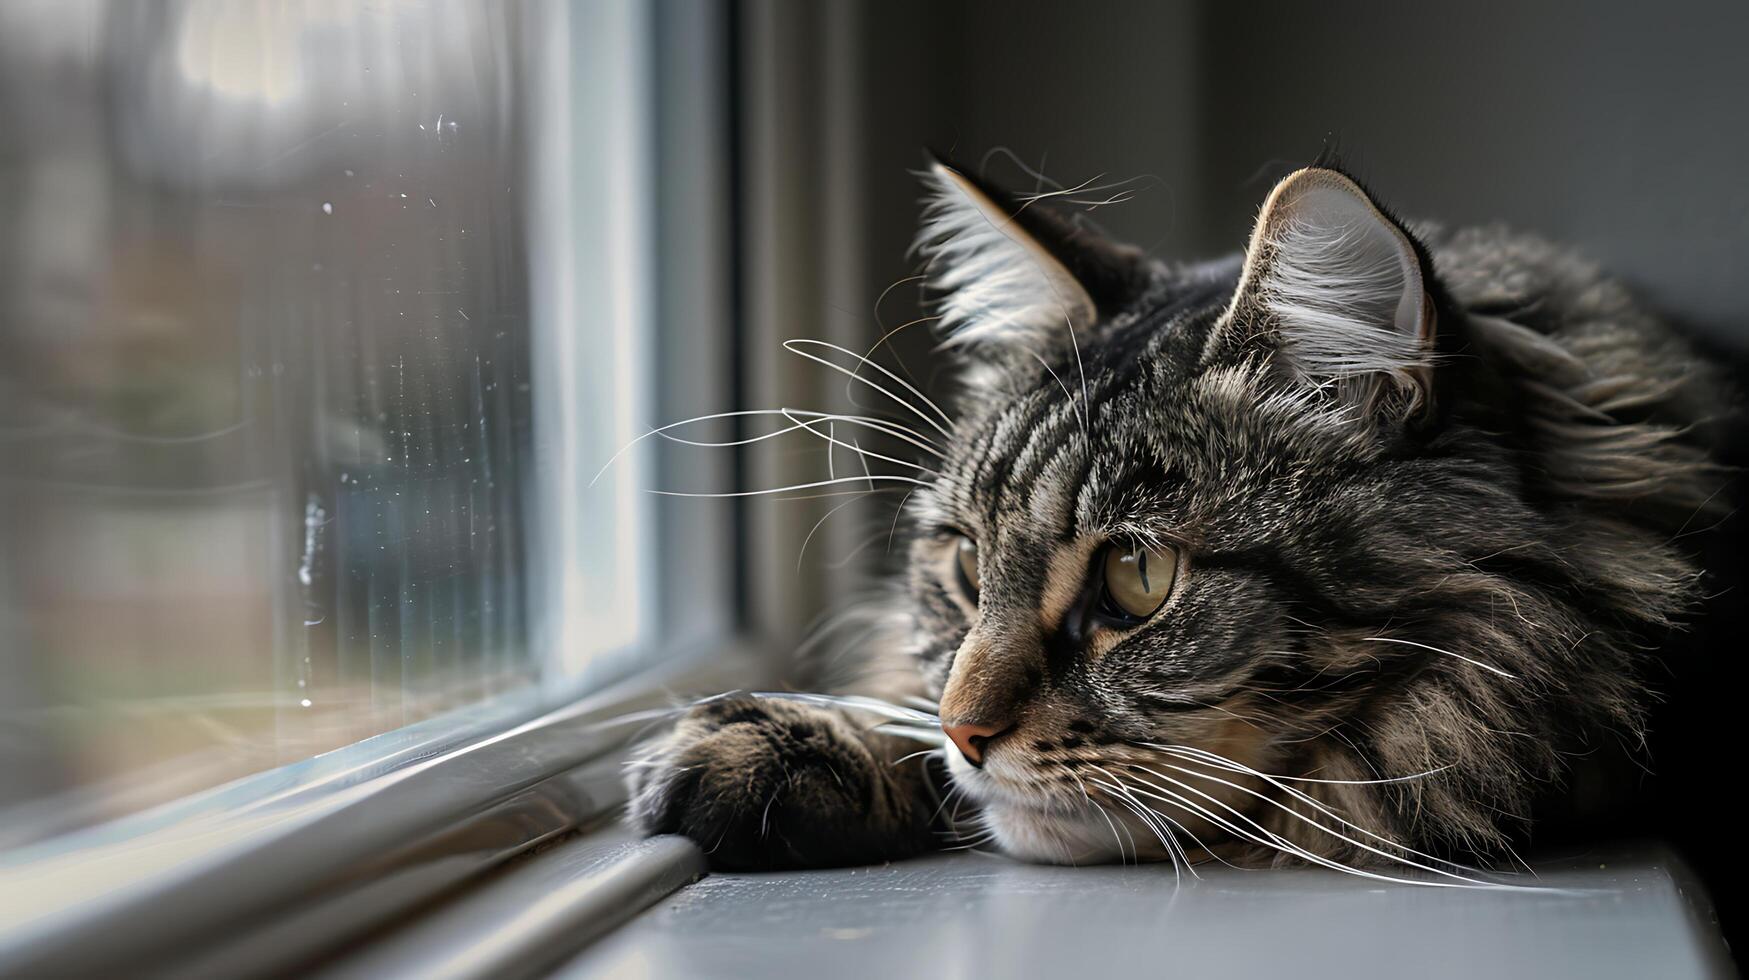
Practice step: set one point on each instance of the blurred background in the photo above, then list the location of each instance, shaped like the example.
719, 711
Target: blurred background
321, 322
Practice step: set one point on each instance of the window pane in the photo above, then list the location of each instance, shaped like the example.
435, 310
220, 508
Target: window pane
267, 386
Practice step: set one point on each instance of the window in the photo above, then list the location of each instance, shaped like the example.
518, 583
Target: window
316, 323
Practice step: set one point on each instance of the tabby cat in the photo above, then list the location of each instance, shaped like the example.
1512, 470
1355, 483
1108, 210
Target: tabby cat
1336, 552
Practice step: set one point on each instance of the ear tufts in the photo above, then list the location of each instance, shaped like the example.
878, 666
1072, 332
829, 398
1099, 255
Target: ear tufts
1347, 281
1341, 286
998, 283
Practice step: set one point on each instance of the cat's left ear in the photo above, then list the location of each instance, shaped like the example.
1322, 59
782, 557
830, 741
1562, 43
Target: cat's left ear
1341, 290
1012, 277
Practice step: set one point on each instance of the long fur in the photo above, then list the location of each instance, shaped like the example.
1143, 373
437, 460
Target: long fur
1392, 632
995, 285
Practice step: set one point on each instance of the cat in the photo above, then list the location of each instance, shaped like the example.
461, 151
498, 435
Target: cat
1335, 552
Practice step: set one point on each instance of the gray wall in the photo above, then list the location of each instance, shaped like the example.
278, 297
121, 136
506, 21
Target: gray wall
1613, 128
1619, 128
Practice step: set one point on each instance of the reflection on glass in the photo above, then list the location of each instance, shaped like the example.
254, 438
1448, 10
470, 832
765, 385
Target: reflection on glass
264, 397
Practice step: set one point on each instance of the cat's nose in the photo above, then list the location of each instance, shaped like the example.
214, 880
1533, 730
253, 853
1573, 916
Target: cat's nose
972, 738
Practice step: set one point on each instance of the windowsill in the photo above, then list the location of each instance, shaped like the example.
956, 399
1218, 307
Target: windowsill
487, 880
1620, 911
535, 913
275, 886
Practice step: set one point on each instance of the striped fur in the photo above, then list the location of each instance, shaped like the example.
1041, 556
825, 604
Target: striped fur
1412, 612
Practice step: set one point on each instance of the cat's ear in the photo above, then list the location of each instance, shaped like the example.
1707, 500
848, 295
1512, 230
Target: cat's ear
1340, 288
1009, 275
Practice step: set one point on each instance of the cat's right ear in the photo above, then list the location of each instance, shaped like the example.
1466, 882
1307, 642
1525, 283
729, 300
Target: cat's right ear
1010, 277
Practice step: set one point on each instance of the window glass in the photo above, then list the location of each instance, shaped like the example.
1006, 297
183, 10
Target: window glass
270, 277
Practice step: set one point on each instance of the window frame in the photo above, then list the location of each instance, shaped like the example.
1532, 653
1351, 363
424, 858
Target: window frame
274, 869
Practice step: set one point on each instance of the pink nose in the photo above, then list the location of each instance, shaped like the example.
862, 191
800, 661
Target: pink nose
972, 738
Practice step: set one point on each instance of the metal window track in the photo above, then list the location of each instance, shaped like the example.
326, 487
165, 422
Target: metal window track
538, 914
275, 889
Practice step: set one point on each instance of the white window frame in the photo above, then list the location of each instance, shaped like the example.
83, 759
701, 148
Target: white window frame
268, 872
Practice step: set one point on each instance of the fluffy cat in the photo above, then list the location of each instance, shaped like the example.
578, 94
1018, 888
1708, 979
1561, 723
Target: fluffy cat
1336, 552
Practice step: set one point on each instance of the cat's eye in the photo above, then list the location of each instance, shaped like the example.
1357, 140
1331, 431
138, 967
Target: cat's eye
966, 556
1137, 582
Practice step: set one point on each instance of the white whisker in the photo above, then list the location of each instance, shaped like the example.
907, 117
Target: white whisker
887, 336
880, 477
1275, 841
898, 512
886, 426
1148, 815
1467, 660
865, 454
1467, 881
914, 755
1179, 826
803, 550
793, 344
1217, 761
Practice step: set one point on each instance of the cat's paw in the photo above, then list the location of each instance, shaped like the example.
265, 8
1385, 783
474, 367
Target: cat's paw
763, 783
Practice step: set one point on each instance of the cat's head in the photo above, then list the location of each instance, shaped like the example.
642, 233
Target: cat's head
1198, 526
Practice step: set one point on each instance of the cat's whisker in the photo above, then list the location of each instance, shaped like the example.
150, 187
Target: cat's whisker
898, 512
885, 709
863, 458
659, 430
903, 433
1204, 848
1148, 816
1192, 807
915, 755
1079, 417
1314, 824
1179, 827
886, 426
1081, 369
1149, 824
1258, 834
1217, 761
831, 429
1261, 836
765, 817
972, 844
857, 551
985, 833
881, 326
1277, 842
725, 443
888, 336
1115, 839
803, 550
1167, 839
836, 481
1174, 824
794, 346
833, 440
953, 791
1235, 767
1434, 649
